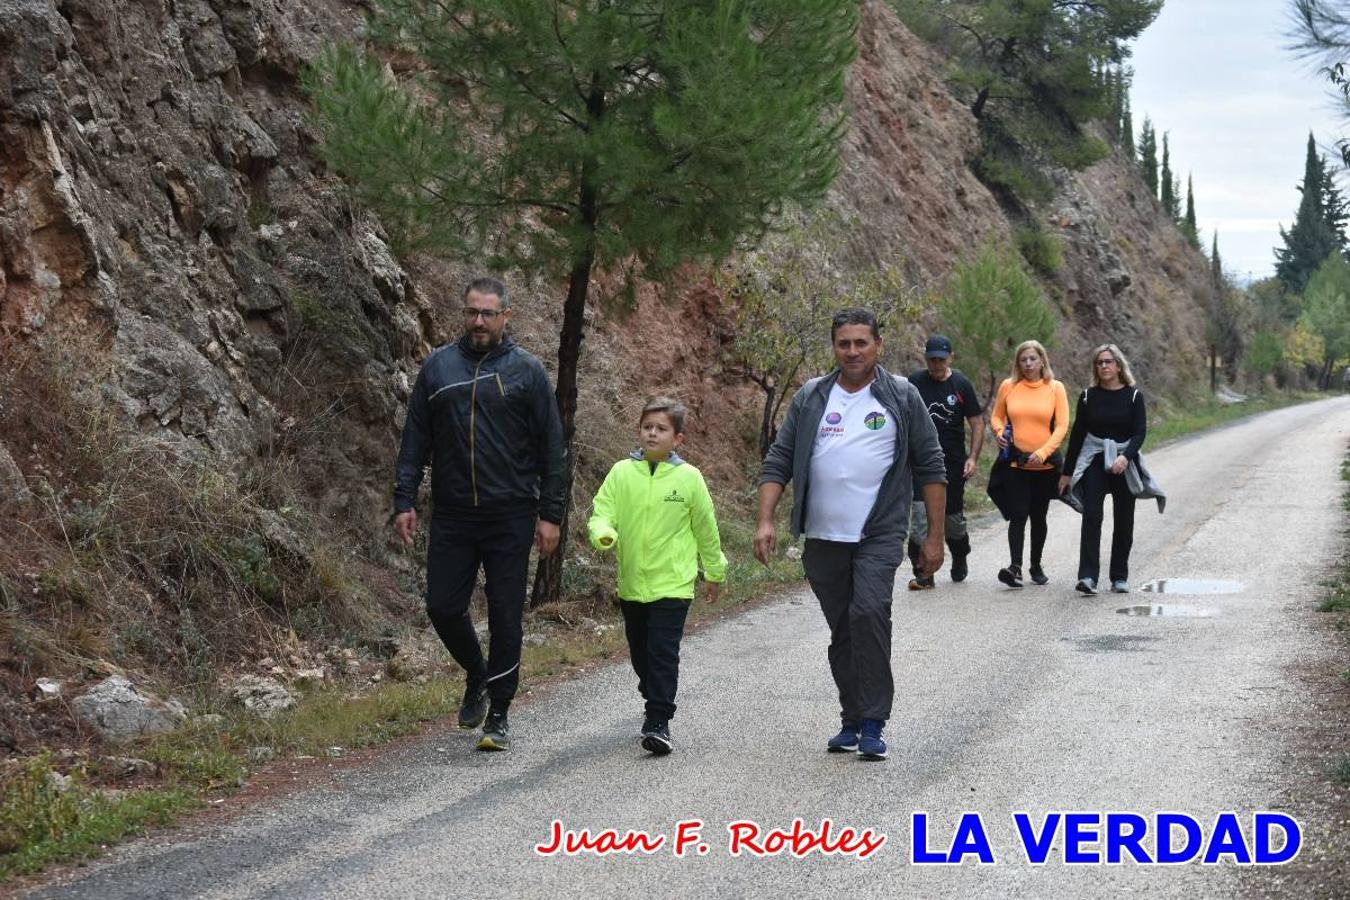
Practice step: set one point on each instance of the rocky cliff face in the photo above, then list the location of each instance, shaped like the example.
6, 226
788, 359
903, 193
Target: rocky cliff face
168, 234
163, 222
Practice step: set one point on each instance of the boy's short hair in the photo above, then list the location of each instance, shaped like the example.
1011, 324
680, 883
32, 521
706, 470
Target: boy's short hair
671, 407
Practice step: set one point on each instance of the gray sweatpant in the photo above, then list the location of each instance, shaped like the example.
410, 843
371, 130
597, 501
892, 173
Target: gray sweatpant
854, 584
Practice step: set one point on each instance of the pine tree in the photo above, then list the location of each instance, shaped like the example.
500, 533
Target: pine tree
1035, 71
1148, 156
624, 135
1188, 224
1312, 237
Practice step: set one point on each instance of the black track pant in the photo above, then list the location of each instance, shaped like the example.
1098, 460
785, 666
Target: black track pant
1097, 483
1029, 495
654, 631
456, 549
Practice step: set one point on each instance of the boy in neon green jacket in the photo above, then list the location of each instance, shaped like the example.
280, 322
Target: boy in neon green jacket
655, 510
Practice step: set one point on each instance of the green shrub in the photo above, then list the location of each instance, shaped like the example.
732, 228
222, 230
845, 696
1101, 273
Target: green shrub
1043, 251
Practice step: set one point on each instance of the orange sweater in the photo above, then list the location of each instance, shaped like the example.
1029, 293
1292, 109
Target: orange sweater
1031, 406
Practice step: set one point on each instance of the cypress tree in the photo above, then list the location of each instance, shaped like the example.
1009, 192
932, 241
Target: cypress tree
1148, 156
1188, 224
1215, 265
1116, 98
1334, 211
1168, 185
1127, 130
1312, 237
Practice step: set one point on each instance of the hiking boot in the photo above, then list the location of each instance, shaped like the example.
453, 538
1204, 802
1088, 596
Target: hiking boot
1011, 576
959, 568
656, 737
960, 550
496, 733
475, 704
1120, 586
1038, 575
913, 551
921, 583
1086, 586
871, 745
846, 741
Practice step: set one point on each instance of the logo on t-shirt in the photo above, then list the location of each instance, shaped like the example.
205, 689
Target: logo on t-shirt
673, 497
875, 421
833, 418
951, 399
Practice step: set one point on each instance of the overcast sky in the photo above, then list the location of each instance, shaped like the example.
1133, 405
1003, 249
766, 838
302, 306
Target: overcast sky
1238, 107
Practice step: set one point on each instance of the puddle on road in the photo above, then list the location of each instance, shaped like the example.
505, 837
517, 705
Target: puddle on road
1192, 586
1165, 611
1112, 643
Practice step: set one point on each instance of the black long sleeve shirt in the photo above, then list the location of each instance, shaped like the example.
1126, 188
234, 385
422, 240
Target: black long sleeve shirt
1118, 415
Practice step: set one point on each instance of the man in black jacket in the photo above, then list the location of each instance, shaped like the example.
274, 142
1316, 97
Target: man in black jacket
484, 415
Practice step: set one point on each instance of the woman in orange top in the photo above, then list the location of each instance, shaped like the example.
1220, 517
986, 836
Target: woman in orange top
1037, 408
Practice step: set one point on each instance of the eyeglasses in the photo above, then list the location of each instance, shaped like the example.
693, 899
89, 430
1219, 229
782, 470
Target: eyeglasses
488, 314
1105, 362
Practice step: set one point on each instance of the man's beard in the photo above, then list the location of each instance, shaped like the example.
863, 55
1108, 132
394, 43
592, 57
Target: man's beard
484, 340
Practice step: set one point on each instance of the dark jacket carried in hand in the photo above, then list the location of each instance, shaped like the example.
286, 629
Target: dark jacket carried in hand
488, 423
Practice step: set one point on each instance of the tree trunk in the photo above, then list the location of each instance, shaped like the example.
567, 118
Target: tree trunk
766, 423
548, 574
977, 108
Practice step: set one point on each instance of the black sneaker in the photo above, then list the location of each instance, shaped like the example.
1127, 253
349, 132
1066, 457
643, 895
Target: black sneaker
1011, 576
496, 733
475, 704
656, 737
1038, 575
921, 583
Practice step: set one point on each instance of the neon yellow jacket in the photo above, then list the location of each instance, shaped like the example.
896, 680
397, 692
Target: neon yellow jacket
662, 525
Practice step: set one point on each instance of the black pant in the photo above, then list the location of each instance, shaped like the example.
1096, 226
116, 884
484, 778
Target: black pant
457, 547
1097, 483
654, 631
1029, 494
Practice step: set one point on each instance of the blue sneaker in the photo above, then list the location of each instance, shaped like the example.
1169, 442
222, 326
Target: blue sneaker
871, 745
846, 741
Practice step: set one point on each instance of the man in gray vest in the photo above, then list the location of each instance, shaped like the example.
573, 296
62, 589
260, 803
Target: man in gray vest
854, 443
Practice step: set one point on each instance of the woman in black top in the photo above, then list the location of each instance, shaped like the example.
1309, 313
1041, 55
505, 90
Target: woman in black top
1112, 408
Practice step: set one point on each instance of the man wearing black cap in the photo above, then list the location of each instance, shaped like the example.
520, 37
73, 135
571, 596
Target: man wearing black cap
952, 403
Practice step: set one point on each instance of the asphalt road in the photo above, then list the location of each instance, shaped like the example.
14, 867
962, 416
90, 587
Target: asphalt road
1036, 701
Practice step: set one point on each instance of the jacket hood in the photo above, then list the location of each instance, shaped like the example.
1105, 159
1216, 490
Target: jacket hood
674, 458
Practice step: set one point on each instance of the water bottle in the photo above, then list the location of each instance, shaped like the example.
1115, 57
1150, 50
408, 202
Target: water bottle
1005, 452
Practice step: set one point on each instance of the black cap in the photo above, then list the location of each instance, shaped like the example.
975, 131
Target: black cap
938, 346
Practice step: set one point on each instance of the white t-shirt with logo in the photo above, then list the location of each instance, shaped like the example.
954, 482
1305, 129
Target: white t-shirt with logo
853, 449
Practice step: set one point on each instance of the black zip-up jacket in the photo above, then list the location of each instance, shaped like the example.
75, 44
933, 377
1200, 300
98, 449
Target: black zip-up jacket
488, 423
